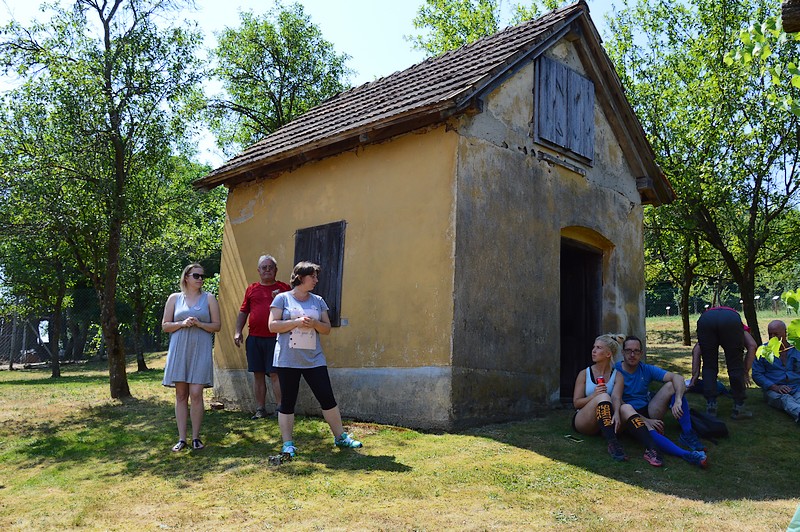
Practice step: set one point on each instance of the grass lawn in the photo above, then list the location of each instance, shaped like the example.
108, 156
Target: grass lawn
72, 458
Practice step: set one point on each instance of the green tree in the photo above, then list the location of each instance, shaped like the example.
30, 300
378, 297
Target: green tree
450, 24
96, 114
184, 226
730, 154
273, 68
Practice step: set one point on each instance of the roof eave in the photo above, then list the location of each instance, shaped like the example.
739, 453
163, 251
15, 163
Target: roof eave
272, 166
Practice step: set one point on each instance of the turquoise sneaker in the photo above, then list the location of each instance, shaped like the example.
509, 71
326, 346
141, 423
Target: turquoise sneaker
346, 441
288, 448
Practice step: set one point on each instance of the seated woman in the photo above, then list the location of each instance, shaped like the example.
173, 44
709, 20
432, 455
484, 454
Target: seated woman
598, 402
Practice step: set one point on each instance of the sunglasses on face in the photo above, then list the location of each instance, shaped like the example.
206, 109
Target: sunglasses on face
197, 275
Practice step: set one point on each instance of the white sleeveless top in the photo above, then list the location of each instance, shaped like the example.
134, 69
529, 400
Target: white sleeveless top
591, 384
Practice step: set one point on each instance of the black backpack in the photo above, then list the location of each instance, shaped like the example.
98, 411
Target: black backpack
708, 426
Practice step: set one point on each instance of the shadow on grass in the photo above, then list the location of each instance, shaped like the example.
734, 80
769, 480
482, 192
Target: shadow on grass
138, 434
757, 461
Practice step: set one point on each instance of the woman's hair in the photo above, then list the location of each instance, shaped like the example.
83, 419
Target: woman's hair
301, 270
613, 341
186, 271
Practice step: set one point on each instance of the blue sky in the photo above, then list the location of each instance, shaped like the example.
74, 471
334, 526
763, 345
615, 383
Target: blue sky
370, 31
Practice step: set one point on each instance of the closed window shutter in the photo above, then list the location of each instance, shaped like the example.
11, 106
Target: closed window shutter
552, 119
324, 245
581, 115
565, 108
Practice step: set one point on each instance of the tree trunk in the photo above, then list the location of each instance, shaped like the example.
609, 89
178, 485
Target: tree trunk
686, 287
13, 343
141, 365
749, 309
790, 13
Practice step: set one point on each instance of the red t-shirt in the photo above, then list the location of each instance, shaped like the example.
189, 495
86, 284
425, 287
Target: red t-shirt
257, 300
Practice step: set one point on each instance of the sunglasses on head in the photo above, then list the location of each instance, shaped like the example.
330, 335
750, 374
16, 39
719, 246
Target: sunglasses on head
197, 275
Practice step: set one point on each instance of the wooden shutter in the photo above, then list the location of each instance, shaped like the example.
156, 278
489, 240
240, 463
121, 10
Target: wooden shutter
324, 245
565, 108
581, 115
552, 121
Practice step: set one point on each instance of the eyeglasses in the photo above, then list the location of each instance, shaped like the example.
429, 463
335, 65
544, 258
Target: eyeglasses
268, 267
197, 275
632, 351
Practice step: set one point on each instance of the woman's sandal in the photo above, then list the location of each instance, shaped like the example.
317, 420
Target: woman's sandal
181, 445
197, 444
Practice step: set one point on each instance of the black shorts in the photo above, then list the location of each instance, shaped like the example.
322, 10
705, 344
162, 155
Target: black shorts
260, 352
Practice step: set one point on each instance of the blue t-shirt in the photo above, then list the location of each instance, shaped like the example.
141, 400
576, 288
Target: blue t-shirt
637, 384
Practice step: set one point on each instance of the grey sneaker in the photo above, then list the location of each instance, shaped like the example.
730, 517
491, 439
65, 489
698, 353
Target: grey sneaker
260, 413
740, 413
711, 408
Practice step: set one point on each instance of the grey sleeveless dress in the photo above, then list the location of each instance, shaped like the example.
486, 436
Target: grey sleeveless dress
189, 355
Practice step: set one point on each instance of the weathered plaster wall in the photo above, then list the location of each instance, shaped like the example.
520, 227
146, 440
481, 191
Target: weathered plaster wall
397, 199
511, 211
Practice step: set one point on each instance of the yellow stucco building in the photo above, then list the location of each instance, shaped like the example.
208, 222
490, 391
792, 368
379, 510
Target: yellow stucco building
481, 222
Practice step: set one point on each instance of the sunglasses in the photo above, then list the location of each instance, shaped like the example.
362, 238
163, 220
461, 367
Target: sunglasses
196, 275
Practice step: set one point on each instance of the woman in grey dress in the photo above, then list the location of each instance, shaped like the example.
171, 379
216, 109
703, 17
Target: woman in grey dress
190, 317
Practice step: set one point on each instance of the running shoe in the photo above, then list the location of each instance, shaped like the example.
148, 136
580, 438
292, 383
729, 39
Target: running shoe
711, 408
691, 440
740, 413
346, 441
697, 458
260, 413
616, 451
651, 457
288, 448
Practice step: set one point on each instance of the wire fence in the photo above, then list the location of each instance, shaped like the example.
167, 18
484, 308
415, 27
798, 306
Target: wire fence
664, 302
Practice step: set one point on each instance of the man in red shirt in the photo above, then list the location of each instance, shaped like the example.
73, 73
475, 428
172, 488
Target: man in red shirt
260, 344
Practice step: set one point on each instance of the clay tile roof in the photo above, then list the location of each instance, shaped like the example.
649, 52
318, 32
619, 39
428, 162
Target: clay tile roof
425, 93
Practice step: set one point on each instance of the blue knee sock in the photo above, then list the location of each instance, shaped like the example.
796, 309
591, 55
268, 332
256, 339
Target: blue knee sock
685, 420
665, 444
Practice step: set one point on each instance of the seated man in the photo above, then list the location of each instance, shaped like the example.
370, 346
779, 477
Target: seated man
638, 377
780, 379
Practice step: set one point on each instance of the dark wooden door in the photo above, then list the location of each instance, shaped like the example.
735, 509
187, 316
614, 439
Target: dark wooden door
581, 309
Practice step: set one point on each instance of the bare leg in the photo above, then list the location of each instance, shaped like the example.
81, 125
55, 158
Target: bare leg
334, 419
286, 423
659, 404
196, 392
181, 408
276, 387
260, 388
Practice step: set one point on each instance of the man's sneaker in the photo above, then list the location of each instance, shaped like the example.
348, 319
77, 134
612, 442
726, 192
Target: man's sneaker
260, 413
711, 408
288, 448
740, 413
692, 441
616, 451
651, 456
697, 458
346, 441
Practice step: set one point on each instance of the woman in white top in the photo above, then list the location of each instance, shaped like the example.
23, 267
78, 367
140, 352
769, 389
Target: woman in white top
299, 317
596, 399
